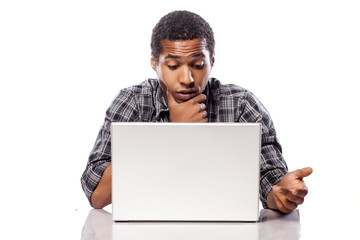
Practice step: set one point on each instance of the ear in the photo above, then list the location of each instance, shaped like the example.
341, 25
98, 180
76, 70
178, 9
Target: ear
153, 62
212, 60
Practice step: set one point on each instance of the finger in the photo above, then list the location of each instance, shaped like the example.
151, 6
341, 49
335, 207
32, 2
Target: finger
295, 199
289, 195
301, 192
204, 113
201, 117
286, 199
280, 204
202, 107
199, 98
304, 172
289, 204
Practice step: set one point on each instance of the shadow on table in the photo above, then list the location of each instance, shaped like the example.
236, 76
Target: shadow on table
271, 225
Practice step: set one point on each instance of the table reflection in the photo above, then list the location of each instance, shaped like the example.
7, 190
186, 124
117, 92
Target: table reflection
271, 225
98, 225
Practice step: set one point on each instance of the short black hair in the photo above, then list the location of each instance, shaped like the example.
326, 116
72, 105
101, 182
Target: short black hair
181, 25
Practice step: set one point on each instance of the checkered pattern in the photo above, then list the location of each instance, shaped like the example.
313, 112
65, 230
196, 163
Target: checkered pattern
225, 103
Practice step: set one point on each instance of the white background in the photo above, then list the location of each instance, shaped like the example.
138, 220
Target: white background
62, 63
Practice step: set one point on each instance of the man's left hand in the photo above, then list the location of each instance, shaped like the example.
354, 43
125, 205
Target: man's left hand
290, 192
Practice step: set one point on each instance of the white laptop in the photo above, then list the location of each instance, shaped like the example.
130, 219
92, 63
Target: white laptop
185, 171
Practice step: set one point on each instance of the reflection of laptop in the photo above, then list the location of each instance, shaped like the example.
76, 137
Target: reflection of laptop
185, 171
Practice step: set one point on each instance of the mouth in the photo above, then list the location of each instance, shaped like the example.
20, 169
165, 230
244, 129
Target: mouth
186, 95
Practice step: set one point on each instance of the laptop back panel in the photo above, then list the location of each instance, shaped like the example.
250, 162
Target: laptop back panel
185, 172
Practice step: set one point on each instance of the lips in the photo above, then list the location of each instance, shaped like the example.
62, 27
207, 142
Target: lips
186, 94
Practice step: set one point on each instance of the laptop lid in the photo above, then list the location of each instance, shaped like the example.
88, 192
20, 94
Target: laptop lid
185, 171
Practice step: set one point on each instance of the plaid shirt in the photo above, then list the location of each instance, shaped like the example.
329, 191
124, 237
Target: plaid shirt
225, 103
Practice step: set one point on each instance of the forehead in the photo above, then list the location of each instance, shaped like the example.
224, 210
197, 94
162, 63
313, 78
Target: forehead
184, 48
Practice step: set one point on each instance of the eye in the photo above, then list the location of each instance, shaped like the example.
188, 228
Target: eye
198, 66
173, 67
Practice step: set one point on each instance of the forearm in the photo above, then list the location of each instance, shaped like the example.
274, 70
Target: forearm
272, 169
268, 179
101, 196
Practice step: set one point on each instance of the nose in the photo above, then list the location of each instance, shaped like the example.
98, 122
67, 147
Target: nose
186, 78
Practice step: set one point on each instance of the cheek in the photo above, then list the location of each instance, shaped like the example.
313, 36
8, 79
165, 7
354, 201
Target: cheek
202, 78
167, 77
159, 72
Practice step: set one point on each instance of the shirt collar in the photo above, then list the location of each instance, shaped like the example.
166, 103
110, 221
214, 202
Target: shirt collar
212, 91
160, 103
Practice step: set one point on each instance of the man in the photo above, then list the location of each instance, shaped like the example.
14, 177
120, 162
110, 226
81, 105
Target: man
182, 48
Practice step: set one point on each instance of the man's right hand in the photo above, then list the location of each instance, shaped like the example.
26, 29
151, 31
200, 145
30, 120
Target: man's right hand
193, 110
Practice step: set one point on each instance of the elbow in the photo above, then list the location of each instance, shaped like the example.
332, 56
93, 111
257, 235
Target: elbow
96, 201
101, 196
97, 205
99, 201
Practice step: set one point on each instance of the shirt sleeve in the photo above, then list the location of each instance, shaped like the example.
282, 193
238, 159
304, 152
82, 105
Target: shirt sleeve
272, 164
122, 109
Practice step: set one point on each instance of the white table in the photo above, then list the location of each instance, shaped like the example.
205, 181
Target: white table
271, 225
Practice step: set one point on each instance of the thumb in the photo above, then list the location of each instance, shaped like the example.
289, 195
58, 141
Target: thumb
304, 172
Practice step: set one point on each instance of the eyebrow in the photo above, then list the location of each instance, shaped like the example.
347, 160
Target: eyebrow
196, 55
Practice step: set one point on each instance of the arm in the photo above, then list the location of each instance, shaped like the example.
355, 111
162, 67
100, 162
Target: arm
272, 164
98, 165
279, 190
96, 179
101, 197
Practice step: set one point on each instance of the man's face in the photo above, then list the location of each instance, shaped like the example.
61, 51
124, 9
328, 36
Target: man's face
183, 68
